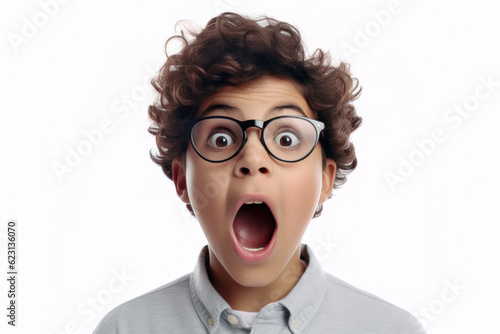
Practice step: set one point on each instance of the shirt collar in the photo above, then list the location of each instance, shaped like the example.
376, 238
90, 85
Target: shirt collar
305, 298
301, 303
207, 301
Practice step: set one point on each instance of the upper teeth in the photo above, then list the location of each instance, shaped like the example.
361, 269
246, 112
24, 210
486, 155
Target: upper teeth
253, 202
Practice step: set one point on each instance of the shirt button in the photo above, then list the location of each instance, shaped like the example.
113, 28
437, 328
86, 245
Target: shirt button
211, 321
294, 324
232, 319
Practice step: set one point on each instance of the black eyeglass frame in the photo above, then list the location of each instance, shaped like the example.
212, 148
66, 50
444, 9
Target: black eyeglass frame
245, 125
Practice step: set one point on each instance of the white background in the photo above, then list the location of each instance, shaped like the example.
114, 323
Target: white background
115, 212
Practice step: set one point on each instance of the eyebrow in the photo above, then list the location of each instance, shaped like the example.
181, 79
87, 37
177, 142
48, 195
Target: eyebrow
226, 107
289, 106
208, 110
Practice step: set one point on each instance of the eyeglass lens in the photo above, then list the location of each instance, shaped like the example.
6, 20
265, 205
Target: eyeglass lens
286, 138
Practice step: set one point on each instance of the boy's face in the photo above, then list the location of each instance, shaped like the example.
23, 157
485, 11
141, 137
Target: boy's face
254, 243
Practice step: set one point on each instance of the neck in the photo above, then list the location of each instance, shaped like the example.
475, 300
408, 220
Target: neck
253, 299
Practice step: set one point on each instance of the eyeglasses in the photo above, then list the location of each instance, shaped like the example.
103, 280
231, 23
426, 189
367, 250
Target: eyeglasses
286, 138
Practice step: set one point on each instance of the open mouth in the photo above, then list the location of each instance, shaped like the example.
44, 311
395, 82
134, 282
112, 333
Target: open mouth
254, 226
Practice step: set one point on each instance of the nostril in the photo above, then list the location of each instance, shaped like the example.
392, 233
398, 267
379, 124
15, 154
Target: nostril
263, 170
244, 170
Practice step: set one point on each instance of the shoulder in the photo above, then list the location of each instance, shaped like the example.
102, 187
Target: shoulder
157, 299
363, 312
165, 305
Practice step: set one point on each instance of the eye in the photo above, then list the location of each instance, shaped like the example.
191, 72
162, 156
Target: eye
220, 140
286, 139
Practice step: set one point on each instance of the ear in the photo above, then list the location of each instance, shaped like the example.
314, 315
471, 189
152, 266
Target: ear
179, 178
328, 180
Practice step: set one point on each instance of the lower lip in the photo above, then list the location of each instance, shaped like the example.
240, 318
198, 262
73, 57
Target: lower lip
257, 256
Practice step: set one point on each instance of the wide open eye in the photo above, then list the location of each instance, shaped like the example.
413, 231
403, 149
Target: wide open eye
286, 139
220, 140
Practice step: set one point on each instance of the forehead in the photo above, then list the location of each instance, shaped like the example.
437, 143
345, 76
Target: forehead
260, 97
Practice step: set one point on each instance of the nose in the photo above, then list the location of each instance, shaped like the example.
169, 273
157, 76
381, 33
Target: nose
253, 158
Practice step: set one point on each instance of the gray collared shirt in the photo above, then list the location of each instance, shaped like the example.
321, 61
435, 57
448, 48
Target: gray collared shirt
319, 303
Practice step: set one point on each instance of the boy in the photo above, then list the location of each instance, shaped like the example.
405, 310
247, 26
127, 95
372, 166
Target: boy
255, 136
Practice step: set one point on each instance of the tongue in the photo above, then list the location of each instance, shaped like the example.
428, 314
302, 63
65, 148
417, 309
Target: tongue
254, 225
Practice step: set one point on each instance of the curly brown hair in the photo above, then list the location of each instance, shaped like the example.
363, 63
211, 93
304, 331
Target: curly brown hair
235, 50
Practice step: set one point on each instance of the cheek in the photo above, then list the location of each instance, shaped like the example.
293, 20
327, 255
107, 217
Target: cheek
196, 181
206, 183
304, 198
302, 195
202, 200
